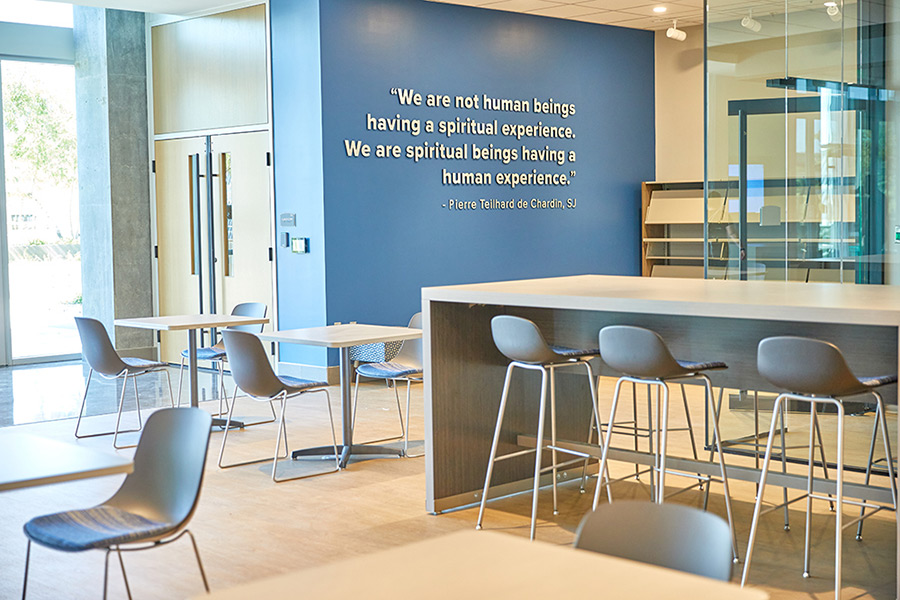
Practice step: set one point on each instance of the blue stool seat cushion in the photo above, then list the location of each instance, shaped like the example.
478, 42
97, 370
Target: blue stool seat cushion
139, 365
295, 384
210, 353
98, 527
386, 370
696, 367
874, 382
575, 352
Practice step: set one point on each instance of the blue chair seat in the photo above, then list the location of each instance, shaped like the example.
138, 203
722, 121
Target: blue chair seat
696, 367
566, 352
295, 384
874, 382
386, 370
98, 527
139, 365
210, 353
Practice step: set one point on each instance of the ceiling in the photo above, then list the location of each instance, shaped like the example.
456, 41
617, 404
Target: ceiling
636, 14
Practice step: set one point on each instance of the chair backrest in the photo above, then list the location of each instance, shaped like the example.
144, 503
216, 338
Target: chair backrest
806, 366
249, 309
637, 352
411, 350
168, 466
520, 340
97, 348
250, 367
668, 535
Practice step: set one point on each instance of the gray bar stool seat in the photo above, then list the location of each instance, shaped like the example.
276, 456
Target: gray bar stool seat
522, 343
815, 372
644, 358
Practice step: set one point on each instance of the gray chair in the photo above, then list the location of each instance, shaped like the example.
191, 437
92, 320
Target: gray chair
216, 352
151, 508
406, 367
522, 343
667, 535
103, 359
644, 358
253, 375
815, 372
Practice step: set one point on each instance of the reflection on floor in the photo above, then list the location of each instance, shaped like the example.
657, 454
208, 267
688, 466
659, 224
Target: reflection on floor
248, 528
34, 393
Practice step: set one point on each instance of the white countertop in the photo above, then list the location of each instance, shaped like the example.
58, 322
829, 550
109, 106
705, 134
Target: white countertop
773, 300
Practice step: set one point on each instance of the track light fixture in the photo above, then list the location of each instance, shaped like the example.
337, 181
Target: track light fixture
750, 23
674, 33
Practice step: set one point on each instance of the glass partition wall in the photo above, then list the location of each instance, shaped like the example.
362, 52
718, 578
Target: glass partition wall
800, 136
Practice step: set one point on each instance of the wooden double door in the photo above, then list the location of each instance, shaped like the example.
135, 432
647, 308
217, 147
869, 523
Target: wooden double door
214, 227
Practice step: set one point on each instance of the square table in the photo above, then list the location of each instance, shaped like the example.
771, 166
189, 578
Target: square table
29, 460
343, 337
191, 323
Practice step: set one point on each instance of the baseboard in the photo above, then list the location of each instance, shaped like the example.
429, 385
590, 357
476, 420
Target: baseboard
330, 374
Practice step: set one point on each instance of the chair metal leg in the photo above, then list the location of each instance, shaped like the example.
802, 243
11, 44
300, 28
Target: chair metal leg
554, 470
717, 445
809, 481
169, 386
650, 432
839, 503
605, 451
390, 384
880, 422
496, 441
822, 455
119, 415
180, 379
776, 411
124, 576
27, 559
199, 562
106, 573
664, 430
282, 432
784, 492
406, 429
539, 451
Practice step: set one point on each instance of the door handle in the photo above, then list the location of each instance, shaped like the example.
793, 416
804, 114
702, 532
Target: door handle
194, 207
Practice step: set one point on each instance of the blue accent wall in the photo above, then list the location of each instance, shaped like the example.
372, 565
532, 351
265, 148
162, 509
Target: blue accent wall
385, 228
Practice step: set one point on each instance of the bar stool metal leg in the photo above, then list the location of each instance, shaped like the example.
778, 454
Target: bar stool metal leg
490, 469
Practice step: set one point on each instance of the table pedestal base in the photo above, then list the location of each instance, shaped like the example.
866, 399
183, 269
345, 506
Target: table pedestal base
347, 451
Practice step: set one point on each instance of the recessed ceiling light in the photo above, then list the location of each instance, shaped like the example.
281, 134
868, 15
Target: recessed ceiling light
659, 9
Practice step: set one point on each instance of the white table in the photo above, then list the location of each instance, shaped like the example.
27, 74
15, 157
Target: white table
29, 460
700, 320
191, 323
343, 337
483, 564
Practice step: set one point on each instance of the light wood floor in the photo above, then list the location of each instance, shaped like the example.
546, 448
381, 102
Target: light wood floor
248, 528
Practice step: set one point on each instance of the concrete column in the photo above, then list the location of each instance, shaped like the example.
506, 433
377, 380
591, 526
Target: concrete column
113, 170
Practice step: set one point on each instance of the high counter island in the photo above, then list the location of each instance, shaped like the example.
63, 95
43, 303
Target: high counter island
699, 319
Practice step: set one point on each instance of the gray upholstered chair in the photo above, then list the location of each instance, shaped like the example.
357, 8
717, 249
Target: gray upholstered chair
151, 508
405, 367
643, 357
815, 372
253, 375
103, 359
522, 343
216, 352
667, 535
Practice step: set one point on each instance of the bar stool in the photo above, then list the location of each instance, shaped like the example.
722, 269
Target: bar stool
816, 372
644, 358
522, 343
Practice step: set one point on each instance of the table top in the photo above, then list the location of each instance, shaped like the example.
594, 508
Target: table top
29, 460
342, 336
483, 564
185, 322
772, 300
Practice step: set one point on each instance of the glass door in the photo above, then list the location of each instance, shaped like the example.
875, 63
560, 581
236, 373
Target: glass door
39, 196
